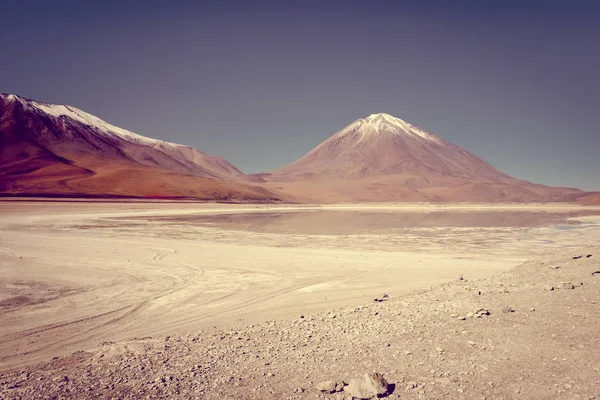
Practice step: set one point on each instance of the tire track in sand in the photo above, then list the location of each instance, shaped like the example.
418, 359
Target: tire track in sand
59, 337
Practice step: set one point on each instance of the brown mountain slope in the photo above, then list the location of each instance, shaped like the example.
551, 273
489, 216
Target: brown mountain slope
590, 199
382, 158
53, 150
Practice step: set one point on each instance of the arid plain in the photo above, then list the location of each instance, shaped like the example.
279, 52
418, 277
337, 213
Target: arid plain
77, 274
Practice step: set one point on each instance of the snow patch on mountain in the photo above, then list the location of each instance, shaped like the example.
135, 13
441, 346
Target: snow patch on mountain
58, 111
384, 123
92, 121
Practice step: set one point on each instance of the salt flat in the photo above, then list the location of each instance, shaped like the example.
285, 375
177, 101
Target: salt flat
76, 274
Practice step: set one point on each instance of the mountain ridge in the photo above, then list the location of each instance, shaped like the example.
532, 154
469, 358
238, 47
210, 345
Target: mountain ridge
61, 150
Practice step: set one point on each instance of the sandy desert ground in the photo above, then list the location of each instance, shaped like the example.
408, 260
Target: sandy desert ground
77, 275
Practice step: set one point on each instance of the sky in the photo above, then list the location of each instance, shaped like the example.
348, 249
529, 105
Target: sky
263, 82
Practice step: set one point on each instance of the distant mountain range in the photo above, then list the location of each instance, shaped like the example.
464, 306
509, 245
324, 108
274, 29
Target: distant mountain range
61, 151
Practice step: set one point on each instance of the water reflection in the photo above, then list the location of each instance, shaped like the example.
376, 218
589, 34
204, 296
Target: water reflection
361, 222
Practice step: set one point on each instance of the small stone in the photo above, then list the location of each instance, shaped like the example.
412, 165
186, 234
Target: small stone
549, 288
508, 309
370, 386
439, 349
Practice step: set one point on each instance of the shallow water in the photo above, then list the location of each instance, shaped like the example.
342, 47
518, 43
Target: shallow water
365, 222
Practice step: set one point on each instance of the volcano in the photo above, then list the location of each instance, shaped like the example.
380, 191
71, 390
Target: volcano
383, 158
61, 151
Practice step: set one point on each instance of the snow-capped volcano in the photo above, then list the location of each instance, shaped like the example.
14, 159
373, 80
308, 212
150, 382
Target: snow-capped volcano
67, 145
381, 144
383, 158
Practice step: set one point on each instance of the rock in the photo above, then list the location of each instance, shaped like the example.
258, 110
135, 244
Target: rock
481, 313
330, 386
508, 309
567, 285
588, 256
549, 288
577, 257
63, 378
299, 390
370, 386
595, 273
383, 298
554, 267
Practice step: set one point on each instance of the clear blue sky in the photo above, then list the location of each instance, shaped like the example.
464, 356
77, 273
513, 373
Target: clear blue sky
261, 83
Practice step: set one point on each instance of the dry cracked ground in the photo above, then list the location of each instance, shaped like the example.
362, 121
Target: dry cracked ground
530, 333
